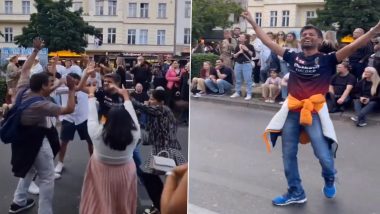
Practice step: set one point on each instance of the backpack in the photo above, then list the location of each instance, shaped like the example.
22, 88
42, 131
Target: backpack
9, 127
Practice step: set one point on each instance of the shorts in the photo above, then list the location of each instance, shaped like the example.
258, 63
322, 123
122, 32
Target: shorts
68, 130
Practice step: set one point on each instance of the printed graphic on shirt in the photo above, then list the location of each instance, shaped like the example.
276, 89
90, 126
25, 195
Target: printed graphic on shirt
309, 75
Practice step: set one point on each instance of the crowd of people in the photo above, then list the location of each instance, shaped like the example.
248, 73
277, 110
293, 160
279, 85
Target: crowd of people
244, 58
94, 99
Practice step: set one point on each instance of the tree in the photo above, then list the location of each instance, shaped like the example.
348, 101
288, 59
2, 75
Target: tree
349, 15
208, 14
60, 28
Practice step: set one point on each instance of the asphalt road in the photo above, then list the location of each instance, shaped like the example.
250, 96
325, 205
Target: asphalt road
231, 172
68, 188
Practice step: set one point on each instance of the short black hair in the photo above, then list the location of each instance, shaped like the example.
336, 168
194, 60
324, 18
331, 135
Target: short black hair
38, 80
159, 95
312, 27
115, 77
74, 75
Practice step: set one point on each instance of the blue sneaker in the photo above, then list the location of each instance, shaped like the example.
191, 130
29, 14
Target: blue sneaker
329, 189
287, 199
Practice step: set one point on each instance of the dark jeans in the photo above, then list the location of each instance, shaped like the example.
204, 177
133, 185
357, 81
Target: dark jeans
256, 72
361, 110
332, 104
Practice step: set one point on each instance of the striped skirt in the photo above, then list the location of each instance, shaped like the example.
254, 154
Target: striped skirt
109, 189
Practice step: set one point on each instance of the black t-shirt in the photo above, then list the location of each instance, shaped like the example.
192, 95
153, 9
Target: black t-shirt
141, 97
340, 82
107, 101
248, 57
224, 70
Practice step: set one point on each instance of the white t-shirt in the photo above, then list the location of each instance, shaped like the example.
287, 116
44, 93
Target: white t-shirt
76, 69
36, 69
80, 113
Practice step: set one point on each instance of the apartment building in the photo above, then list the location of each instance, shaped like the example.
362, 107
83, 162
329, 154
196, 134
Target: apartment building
183, 27
132, 27
283, 15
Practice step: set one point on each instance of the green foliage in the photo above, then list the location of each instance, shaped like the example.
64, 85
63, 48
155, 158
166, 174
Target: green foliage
60, 28
349, 15
3, 91
197, 62
208, 14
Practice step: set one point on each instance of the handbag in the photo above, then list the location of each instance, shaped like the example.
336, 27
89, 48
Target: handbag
162, 164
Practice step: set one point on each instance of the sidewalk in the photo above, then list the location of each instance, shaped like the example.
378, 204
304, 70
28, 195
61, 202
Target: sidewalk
257, 103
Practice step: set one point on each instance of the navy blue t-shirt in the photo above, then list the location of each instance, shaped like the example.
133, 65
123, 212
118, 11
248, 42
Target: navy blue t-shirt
309, 75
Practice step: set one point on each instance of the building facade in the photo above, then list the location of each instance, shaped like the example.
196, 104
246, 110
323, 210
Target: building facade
183, 27
133, 27
283, 15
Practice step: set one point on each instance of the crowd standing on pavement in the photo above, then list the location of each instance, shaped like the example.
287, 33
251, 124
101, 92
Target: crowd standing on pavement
253, 63
93, 99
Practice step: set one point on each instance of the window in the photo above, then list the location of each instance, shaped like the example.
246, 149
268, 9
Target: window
131, 37
99, 34
77, 5
112, 7
132, 11
8, 34
310, 15
25, 7
187, 9
99, 5
111, 35
285, 18
144, 10
143, 37
258, 18
161, 37
273, 18
162, 10
8, 7
186, 39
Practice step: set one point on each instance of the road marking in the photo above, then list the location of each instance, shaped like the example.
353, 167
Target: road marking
194, 209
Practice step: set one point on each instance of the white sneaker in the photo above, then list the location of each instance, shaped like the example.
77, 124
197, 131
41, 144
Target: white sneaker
248, 97
271, 101
266, 100
59, 167
282, 102
235, 95
57, 176
33, 188
198, 95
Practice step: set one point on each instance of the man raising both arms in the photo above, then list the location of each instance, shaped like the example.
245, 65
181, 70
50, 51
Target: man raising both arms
305, 111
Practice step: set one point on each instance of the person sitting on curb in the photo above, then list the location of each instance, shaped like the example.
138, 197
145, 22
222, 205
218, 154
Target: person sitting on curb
340, 88
271, 87
367, 96
220, 81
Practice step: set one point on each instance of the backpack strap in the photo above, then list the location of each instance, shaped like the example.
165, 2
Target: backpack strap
29, 102
19, 96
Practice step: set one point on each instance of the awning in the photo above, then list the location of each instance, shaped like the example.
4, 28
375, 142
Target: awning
64, 54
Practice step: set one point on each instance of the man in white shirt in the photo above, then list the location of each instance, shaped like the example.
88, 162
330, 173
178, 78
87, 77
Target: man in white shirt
76, 121
37, 67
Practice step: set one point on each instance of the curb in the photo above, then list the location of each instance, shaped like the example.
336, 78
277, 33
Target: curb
255, 103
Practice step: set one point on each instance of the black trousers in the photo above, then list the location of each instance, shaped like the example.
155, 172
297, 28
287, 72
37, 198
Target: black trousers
154, 186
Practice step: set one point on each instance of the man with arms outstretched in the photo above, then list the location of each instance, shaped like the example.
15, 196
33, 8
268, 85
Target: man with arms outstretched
305, 110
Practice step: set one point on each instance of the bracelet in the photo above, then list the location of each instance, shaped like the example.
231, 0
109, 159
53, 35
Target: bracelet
168, 173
